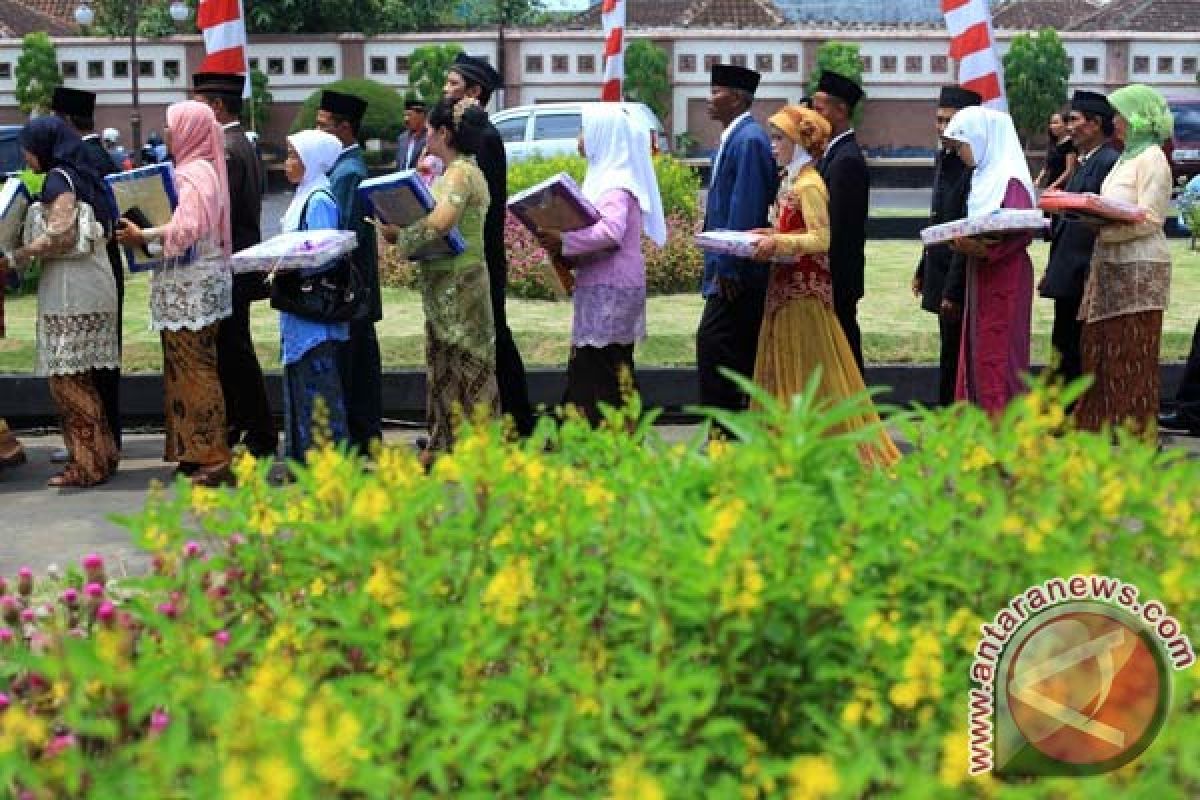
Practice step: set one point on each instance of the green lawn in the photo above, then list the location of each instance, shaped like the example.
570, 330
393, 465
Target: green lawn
895, 330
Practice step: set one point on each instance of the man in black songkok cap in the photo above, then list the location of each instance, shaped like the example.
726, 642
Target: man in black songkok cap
845, 173
247, 411
1090, 123
940, 280
474, 77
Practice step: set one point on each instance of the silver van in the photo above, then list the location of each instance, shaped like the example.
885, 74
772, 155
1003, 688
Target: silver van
552, 129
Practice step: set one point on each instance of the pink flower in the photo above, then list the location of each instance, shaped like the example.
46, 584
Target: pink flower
159, 720
168, 610
4, 702
106, 613
192, 550
70, 597
28, 615
60, 743
94, 591
6, 636
93, 562
25, 581
221, 638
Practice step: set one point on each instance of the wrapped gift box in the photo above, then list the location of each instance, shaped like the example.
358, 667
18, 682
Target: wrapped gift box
148, 194
554, 204
401, 199
733, 243
1005, 221
1088, 204
295, 250
14, 203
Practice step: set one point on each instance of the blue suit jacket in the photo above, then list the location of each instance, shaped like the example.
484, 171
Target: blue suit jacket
739, 195
344, 177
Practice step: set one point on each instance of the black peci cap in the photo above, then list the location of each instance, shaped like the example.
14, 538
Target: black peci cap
733, 77
1092, 103
73, 102
477, 71
958, 97
841, 87
344, 105
219, 83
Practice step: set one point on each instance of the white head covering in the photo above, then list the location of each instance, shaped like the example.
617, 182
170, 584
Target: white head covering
800, 158
317, 150
998, 156
618, 156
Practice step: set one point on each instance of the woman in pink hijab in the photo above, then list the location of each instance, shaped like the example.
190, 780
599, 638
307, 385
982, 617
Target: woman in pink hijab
192, 292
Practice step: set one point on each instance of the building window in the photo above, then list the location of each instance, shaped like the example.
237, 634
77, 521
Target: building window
5, 71
378, 65
95, 70
171, 70
738, 60
764, 62
710, 62
1189, 65
253, 64
687, 63
274, 66
326, 65
69, 69
1141, 64
145, 69
789, 62
1091, 65
120, 69
1166, 65
401, 65
913, 64
299, 66
939, 65
560, 64
533, 64
887, 63
585, 63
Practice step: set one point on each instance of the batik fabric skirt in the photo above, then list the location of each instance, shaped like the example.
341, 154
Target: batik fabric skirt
195, 406
1121, 355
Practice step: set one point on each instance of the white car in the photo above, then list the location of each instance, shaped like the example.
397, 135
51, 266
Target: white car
552, 129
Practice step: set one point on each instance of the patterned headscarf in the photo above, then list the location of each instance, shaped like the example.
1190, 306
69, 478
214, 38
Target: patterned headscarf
198, 144
1148, 118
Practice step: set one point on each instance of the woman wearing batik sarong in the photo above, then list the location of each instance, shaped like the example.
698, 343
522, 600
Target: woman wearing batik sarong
800, 332
192, 292
460, 336
999, 299
77, 320
1130, 280
308, 348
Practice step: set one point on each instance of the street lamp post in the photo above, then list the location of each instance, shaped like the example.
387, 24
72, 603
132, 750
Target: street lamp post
84, 15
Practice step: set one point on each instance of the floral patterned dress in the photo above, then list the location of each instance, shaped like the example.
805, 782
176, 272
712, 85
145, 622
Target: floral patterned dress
460, 336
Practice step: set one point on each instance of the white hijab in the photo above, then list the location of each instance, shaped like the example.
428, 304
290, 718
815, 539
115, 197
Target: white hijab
800, 159
618, 156
317, 150
999, 156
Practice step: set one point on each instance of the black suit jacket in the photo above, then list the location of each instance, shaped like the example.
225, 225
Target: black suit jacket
941, 270
493, 162
402, 160
1072, 241
245, 188
845, 172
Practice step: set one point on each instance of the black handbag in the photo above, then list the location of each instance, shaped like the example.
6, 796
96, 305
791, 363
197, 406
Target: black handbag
336, 294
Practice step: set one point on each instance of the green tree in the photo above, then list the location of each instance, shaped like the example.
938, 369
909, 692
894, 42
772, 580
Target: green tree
327, 16
494, 12
842, 58
154, 19
1036, 73
646, 76
256, 112
37, 73
427, 70
385, 108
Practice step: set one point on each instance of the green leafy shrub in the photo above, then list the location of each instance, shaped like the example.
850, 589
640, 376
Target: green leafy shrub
384, 118
593, 614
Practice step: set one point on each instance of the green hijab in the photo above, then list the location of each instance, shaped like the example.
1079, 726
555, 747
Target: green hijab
1148, 118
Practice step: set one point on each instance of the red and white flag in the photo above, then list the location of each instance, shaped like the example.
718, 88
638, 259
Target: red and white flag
612, 15
973, 45
224, 27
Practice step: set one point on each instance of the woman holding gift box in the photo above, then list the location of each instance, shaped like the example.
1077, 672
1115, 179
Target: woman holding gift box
610, 271
460, 337
999, 297
800, 332
1130, 279
308, 348
188, 297
77, 296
